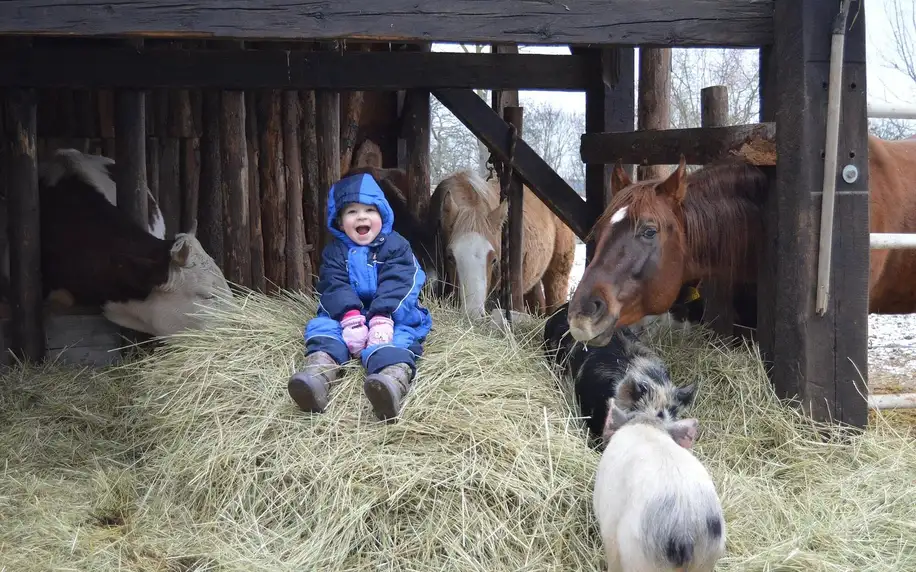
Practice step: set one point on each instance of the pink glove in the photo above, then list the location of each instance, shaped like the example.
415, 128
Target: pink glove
381, 330
355, 331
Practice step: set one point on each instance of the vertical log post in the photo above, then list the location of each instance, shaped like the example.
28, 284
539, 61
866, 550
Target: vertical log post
210, 206
273, 187
609, 106
821, 359
190, 157
416, 134
258, 273
718, 293
24, 225
298, 263
234, 184
513, 115
766, 251
654, 100
130, 155
327, 133
169, 160
311, 201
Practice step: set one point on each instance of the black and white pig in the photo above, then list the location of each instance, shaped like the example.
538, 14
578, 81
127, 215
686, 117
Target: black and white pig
625, 369
656, 505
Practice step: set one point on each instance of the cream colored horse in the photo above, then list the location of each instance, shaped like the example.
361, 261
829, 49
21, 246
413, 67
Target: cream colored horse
466, 209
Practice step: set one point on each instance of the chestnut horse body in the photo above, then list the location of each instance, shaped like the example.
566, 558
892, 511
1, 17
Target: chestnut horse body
657, 235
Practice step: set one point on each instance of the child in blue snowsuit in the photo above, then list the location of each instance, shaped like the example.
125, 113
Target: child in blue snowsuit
368, 284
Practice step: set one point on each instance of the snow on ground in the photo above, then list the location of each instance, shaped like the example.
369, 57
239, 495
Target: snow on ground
891, 342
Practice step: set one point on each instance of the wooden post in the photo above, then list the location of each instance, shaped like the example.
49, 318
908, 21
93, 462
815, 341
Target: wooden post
24, 225
654, 100
718, 294
513, 116
169, 163
820, 358
190, 158
234, 184
258, 277
130, 155
608, 107
766, 251
273, 187
211, 223
327, 134
298, 264
416, 135
349, 129
313, 195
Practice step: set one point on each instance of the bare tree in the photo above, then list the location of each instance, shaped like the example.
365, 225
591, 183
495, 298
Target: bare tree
692, 69
901, 57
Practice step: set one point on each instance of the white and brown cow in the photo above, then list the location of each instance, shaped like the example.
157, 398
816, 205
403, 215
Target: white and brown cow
96, 256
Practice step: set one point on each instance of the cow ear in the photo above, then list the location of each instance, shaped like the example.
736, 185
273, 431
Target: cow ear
181, 251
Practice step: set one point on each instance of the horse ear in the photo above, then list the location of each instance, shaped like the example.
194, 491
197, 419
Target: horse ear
619, 178
498, 215
675, 186
181, 250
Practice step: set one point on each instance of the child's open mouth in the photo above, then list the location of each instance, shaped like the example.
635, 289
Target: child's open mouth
363, 229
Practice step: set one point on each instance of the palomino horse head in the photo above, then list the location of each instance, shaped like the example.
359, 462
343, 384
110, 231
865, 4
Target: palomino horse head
639, 260
466, 211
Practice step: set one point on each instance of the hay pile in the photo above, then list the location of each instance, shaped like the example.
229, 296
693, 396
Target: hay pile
194, 458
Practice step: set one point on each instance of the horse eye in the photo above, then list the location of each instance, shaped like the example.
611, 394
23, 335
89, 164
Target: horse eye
649, 233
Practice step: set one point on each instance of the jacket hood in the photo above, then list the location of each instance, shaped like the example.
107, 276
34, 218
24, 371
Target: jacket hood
361, 188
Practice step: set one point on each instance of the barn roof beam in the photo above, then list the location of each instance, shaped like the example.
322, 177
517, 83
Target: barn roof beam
537, 175
755, 142
110, 67
662, 22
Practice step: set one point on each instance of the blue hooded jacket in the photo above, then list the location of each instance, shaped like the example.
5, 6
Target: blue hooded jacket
382, 277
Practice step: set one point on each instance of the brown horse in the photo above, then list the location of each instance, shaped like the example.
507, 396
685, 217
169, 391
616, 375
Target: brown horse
656, 235
469, 217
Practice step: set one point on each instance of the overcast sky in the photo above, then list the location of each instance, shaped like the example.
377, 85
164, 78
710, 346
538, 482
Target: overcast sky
884, 84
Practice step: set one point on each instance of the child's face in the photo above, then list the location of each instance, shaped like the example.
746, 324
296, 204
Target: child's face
360, 222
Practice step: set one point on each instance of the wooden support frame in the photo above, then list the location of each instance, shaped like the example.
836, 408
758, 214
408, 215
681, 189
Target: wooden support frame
546, 184
609, 106
654, 99
24, 225
515, 230
234, 185
820, 359
699, 145
99, 67
686, 22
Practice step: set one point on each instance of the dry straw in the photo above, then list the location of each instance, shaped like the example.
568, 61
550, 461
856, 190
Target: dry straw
194, 458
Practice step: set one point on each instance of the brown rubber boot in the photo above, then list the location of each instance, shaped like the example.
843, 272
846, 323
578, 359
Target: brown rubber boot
309, 387
387, 388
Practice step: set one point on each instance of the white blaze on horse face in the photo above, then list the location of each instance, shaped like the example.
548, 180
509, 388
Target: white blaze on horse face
618, 216
195, 282
470, 251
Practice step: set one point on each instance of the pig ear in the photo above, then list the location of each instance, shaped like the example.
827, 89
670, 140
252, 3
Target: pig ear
684, 432
686, 394
615, 419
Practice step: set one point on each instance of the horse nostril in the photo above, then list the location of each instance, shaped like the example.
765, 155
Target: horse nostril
594, 307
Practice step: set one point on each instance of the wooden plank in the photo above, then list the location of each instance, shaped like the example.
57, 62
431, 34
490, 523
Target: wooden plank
258, 278
298, 264
210, 205
234, 185
190, 181
313, 197
543, 181
24, 225
130, 155
82, 66
654, 100
767, 253
273, 187
327, 137
699, 145
514, 222
416, 122
817, 357
685, 22
608, 107
718, 293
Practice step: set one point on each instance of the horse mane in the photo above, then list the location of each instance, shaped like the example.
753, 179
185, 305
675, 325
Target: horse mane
474, 198
721, 211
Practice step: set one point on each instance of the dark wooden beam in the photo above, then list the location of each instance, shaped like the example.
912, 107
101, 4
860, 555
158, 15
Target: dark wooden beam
543, 181
130, 156
820, 358
699, 145
24, 225
515, 231
93, 67
685, 22
609, 106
